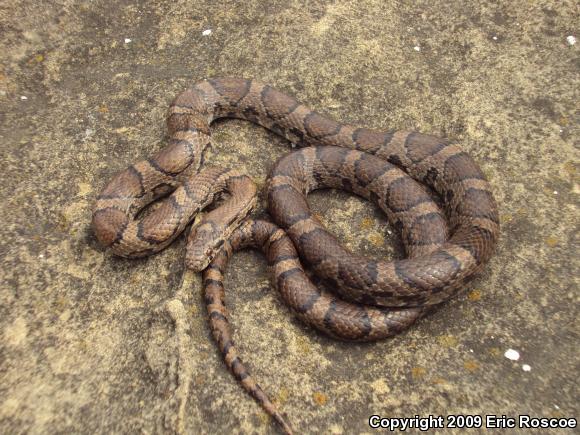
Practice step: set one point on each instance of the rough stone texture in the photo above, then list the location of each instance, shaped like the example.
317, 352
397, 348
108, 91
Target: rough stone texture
93, 343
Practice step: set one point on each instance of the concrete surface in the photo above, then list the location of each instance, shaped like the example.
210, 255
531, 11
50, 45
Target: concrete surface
91, 343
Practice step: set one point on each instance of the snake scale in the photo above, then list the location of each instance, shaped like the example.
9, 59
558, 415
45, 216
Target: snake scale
375, 299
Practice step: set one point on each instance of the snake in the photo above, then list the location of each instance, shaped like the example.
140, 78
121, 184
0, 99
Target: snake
398, 170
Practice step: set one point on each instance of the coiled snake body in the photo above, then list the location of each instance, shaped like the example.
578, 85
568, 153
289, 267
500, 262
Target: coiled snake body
379, 299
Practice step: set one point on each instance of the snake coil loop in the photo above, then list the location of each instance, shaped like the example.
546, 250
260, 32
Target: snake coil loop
378, 299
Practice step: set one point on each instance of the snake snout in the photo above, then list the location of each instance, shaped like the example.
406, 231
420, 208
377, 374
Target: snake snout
199, 253
197, 263
203, 244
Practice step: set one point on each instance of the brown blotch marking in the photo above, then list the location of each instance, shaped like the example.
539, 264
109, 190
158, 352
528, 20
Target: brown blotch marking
368, 168
459, 167
319, 127
361, 276
191, 100
478, 203
292, 283
217, 316
177, 122
307, 231
430, 177
475, 183
109, 224
162, 224
369, 141
276, 235
293, 203
427, 229
277, 104
127, 183
476, 240
328, 163
280, 250
420, 146
404, 193
407, 318
461, 254
238, 369
310, 238
213, 282
393, 149
173, 159
429, 274
231, 89
288, 165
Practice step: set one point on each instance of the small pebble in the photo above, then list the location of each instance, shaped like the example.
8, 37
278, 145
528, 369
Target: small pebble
526, 368
23, 97
206, 32
494, 38
555, 192
514, 355
556, 406
127, 40
417, 48
571, 40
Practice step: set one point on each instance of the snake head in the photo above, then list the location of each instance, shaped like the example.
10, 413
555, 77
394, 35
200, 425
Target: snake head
204, 243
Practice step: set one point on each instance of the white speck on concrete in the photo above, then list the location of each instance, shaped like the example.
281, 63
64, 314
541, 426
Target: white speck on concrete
23, 97
40, 255
526, 368
206, 32
494, 38
89, 132
514, 355
471, 350
555, 192
127, 40
417, 48
571, 40
556, 406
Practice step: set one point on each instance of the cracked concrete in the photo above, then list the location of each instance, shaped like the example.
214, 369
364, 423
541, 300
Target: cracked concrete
93, 343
